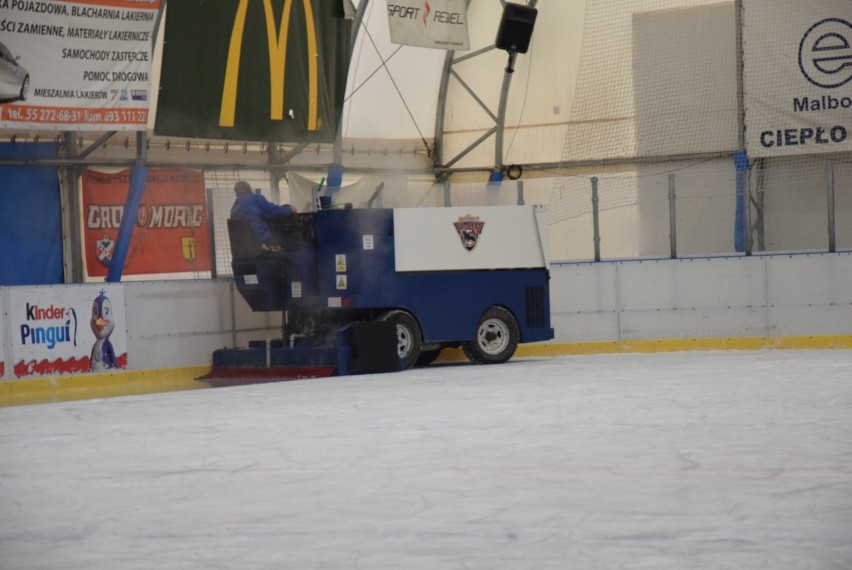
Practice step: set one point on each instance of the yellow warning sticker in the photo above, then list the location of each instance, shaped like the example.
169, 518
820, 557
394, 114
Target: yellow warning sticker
340, 263
341, 282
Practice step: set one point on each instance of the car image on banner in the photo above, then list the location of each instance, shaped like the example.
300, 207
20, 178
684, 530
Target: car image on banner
14, 77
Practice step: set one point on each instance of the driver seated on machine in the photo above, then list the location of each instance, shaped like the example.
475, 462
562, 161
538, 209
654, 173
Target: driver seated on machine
260, 213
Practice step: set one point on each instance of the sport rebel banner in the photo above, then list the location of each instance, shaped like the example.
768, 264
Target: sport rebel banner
67, 330
440, 24
171, 233
81, 64
797, 76
254, 70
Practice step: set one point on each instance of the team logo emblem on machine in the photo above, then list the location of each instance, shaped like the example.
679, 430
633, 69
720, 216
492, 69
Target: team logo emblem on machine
825, 53
104, 248
469, 229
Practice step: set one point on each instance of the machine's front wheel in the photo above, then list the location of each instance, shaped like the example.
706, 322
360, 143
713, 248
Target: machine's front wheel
408, 336
497, 337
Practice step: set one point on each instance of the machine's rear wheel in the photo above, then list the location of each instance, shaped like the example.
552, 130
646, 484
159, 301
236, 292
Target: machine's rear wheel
408, 336
497, 337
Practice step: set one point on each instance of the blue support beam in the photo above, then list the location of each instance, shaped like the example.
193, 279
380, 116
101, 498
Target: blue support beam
743, 165
138, 176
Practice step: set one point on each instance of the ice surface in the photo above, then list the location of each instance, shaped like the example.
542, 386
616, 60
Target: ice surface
680, 461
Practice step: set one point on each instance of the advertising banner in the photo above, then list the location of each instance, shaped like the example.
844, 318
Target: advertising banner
76, 62
171, 234
797, 76
67, 330
254, 70
440, 24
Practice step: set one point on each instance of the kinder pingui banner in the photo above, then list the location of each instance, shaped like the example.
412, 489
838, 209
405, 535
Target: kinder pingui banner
67, 330
171, 232
80, 63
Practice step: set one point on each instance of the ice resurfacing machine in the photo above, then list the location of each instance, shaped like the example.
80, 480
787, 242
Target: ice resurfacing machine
375, 290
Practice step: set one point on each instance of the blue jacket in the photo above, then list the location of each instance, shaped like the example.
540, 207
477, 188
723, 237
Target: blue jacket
259, 212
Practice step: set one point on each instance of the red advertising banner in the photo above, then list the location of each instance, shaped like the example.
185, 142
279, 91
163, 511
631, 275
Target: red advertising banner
171, 234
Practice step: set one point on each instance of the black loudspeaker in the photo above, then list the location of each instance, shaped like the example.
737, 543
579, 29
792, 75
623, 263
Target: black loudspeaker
516, 28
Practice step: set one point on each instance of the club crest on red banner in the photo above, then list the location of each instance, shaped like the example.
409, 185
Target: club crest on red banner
104, 249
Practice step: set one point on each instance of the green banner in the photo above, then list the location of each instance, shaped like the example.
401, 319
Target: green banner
272, 70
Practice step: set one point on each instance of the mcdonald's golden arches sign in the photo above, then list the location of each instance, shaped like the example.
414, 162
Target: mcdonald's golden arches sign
254, 70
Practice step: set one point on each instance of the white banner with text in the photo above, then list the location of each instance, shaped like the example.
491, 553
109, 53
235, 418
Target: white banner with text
797, 77
440, 24
76, 63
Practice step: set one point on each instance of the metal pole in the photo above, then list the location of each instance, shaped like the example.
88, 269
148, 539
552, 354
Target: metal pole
758, 203
501, 112
672, 218
829, 181
136, 187
520, 193
231, 286
749, 240
504, 100
438, 148
596, 219
71, 206
738, 9
211, 231
447, 197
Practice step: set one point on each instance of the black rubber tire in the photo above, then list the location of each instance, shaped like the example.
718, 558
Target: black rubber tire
427, 357
496, 339
408, 335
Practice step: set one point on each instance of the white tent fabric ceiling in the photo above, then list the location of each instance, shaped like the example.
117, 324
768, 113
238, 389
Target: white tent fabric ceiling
401, 100
393, 91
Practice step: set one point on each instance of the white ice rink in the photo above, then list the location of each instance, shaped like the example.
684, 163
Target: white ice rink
716, 460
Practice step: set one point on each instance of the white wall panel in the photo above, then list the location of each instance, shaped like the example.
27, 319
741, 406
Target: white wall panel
789, 295
180, 323
810, 294
583, 302
693, 323
691, 283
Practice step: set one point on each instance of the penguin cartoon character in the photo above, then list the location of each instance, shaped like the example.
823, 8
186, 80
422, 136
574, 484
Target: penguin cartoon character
103, 355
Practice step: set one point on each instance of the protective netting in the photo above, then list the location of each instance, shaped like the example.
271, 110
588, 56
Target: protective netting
708, 101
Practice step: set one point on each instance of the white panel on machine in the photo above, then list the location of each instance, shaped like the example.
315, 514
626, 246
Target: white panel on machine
468, 238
